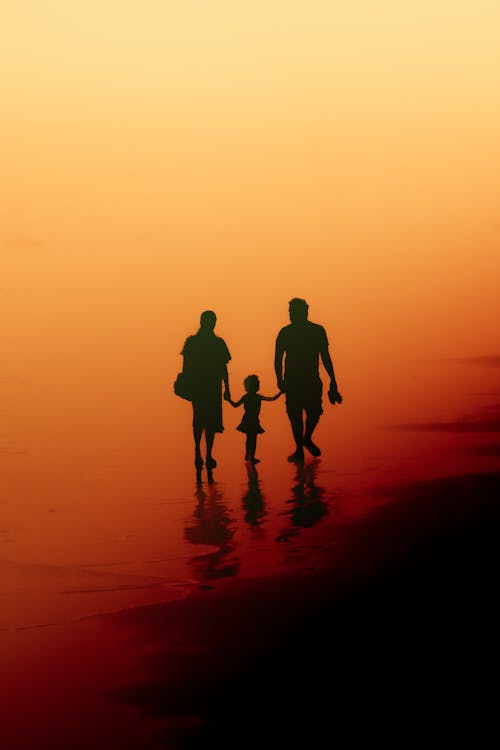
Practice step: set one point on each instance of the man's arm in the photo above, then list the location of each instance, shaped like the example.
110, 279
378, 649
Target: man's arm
333, 392
278, 361
328, 365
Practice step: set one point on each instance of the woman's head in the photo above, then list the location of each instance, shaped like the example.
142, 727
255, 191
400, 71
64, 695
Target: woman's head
251, 384
208, 320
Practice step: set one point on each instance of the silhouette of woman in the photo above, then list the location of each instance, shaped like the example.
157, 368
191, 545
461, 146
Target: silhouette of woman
205, 365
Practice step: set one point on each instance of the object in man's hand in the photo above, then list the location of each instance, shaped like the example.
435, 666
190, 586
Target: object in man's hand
334, 396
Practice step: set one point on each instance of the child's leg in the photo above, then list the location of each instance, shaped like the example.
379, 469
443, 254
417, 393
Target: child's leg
252, 444
247, 448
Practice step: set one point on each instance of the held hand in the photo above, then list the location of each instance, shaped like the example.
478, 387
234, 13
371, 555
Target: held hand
227, 396
281, 386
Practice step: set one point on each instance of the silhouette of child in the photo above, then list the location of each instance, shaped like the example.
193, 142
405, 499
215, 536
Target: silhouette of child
250, 424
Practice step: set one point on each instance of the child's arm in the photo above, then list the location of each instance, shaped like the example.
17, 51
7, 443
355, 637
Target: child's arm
272, 398
234, 403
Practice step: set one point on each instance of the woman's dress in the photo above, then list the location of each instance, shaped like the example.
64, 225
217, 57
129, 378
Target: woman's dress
205, 358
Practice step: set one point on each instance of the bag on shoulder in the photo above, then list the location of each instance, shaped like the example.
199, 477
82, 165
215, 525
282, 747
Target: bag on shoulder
182, 386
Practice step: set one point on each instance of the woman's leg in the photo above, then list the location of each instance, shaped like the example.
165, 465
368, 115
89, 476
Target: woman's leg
209, 437
197, 432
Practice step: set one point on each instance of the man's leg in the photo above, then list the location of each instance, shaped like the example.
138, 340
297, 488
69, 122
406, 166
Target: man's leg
313, 410
297, 424
311, 423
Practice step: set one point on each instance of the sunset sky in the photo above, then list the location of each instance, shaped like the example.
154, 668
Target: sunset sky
162, 157
166, 156
159, 158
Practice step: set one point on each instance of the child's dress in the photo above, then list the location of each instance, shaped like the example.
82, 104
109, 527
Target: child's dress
250, 422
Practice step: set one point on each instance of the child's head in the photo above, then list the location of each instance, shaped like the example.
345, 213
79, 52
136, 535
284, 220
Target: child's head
251, 384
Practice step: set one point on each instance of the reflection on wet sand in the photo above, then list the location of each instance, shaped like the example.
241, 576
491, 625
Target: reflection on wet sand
214, 526
199, 475
406, 608
307, 505
253, 499
215, 522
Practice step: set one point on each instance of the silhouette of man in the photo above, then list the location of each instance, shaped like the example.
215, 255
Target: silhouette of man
302, 343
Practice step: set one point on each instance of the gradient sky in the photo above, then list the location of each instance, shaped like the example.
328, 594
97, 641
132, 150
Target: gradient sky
163, 157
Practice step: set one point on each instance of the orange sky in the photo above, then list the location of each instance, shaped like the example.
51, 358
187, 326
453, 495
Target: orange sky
159, 158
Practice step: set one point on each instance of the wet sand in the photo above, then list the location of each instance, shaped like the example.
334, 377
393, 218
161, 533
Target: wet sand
388, 631
394, 638
356, 594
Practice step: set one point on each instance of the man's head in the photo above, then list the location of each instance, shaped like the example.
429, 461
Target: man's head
298, 310
208, 320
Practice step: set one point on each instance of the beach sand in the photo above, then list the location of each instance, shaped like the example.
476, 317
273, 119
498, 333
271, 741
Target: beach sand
388, 633
353, 597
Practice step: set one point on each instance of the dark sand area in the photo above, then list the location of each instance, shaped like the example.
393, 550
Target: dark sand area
394, 640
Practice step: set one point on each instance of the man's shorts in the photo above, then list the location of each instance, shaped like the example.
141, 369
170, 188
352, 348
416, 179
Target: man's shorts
304, 396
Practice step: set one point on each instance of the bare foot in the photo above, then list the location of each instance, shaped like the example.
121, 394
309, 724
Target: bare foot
312, 448
297, 457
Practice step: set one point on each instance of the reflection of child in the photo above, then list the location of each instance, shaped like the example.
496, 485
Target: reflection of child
250, 423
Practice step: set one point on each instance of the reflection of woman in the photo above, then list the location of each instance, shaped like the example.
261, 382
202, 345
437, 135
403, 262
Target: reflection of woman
205, 365
213, 527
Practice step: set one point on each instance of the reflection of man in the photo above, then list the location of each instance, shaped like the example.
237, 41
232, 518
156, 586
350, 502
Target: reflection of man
303, 343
